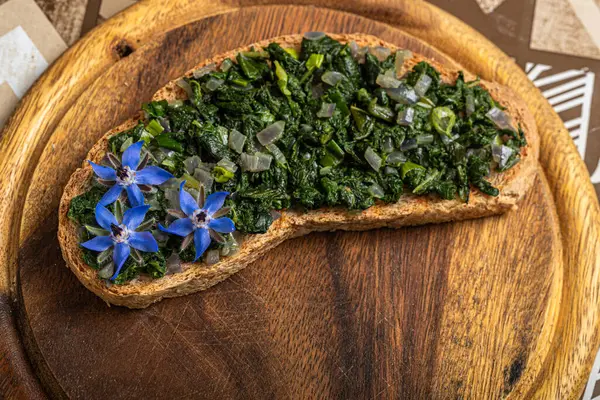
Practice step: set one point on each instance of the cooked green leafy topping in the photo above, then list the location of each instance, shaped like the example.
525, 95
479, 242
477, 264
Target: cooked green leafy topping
332, 125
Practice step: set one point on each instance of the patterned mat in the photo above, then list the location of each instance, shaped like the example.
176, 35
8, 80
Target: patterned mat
556, 42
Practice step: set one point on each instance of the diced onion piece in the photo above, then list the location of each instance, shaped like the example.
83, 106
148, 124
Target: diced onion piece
107, 271
213, 84
191, 163
424, 139
353, 49
387, 82
204, 177
264, 161
396, 157
406, 116
326, 110
373, 158
501, 154
271, 133
228, 165
172, 196
314, 35
403, 94
423, 84
500, 118
317, 90
226, 65
275, 215
481, 153
200, 72
470, 104
388, 145
376, 191
279, 156
380, 52
255, 163
390, 171
409, 144
332, 77
185, 86
173, 264
401, 57
212, 257
236, 141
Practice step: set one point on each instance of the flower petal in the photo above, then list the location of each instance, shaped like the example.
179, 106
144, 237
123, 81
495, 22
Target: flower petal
99, 243
143, 241
186, 201
105, 217
104, 172
152, 176
131, 155
120, 255
135, 195
135, 216
222, 225
215, 201
111, 196
201, 242
180, 227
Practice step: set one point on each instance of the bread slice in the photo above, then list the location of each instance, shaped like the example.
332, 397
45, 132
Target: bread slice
410, 210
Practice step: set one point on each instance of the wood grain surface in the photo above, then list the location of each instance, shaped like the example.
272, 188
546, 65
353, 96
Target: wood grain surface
478, 309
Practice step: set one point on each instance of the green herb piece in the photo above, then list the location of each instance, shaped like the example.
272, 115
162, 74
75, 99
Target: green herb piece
443, 120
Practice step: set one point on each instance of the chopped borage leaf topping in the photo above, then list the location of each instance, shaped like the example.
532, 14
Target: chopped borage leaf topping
330, 125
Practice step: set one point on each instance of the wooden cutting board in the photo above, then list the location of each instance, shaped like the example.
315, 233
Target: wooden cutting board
504, 306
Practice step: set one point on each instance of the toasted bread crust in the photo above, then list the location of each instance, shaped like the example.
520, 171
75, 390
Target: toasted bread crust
410, 210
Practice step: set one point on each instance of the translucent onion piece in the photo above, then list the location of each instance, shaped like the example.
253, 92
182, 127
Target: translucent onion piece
248, 162
390, 171
401, 57
107, 271
373, 158
226, 65
387, 82
271, 133
172, 196
264, 161
191, 163
376, 191
204, 177
470, 104
326, 110
388, 145
213, 84
500, 118
317, 90
212, 257
501, 154
185, 86
332, 77
423, 84
353, 49
409, 144
380, 52
236, 141
279, 156
424, 139
228, 165
200, 72
406, 117
403, 94
314, 35
173, 264
396, 157
275, 215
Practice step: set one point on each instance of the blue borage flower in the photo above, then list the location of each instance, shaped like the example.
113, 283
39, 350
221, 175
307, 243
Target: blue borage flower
201, 221
122, 235
129, 174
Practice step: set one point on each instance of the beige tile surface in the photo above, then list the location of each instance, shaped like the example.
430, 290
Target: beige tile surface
108, 8
8, 100
567, 27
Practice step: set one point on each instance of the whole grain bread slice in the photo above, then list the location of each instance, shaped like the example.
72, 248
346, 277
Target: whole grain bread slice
410, 210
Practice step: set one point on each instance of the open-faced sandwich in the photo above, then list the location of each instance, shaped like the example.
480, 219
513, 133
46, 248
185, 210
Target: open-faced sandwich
280, 138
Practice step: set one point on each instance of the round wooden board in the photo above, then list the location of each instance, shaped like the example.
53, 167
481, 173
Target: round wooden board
477, 309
